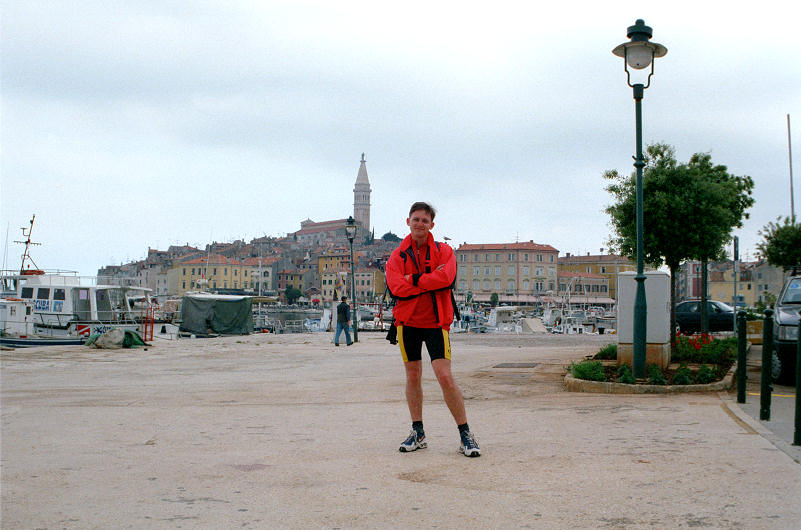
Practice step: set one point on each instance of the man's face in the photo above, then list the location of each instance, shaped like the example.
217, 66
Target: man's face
420, 224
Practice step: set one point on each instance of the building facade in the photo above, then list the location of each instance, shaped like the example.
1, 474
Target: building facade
607, 265
519, 273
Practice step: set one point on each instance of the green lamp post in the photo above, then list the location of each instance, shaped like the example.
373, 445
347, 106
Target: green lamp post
350, 229
639, 53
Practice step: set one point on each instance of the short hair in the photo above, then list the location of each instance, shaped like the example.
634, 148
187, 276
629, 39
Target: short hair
344, 298
423, 206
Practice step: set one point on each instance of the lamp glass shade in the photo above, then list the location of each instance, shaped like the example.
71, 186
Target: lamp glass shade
639, 57
350, 228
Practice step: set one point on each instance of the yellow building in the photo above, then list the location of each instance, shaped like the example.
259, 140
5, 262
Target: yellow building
334, 260
721, 286
609, 265
209, 272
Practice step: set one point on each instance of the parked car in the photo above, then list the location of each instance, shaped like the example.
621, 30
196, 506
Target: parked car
785, 328
688, 316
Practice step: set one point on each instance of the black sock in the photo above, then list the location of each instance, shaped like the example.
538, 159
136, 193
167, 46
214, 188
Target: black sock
418, 427
463, 428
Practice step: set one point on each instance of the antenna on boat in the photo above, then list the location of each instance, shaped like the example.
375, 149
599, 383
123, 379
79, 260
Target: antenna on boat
26, 255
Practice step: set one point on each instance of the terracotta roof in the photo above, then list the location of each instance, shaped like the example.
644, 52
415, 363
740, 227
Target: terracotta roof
526, 245
254, 262
324, 226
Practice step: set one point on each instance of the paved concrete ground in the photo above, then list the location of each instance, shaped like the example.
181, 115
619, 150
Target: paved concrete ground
780, 428
289, 431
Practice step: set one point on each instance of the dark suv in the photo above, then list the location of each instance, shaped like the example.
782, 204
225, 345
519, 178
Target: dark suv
688, 316
785, 328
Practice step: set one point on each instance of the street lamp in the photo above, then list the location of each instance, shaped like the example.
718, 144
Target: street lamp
639, 53
350, 230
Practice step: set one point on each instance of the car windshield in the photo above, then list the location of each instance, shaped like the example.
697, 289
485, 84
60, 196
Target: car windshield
792, 295
724, 307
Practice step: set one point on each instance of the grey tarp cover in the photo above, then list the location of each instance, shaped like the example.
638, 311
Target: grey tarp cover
217, 313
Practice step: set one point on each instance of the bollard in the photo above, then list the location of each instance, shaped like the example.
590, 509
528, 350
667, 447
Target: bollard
797, 435
767, 365
741, 361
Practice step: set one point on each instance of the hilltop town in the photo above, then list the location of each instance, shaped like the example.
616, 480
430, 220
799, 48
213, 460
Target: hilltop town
312, 266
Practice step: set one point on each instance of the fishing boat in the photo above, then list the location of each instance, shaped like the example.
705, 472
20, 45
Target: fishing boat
40, 307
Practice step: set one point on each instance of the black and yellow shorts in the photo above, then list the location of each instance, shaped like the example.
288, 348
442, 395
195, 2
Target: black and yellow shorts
411, 342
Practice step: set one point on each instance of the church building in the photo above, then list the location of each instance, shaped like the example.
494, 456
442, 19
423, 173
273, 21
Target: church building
317, 233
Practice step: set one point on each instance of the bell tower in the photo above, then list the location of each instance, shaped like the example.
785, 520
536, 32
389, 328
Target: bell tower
361, 198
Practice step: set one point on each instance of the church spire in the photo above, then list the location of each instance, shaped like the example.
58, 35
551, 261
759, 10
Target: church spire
361, 197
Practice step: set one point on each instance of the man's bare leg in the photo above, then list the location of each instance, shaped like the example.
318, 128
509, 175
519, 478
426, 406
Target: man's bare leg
414, 389
450, 391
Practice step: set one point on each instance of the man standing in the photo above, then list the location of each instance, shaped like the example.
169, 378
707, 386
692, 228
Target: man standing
420, 275
343, 321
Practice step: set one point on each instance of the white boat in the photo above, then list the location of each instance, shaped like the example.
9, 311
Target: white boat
40, 307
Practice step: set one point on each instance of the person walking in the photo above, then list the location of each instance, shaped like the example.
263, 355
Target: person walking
420, 275
343, 321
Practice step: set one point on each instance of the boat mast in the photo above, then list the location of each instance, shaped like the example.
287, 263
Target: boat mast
26, 255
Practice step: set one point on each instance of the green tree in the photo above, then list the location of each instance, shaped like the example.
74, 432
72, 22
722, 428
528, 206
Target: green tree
292, 294
494, 299
781, 244
689, 211
389, 236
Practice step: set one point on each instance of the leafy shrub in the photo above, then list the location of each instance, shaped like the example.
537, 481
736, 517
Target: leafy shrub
624, 374
608, 352
683, 376
655, 376
704, 375
705, 349
589, 370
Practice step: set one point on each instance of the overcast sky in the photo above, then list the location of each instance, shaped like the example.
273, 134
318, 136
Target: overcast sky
135, 124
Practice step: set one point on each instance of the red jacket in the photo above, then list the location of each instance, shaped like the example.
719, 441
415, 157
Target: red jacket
424, 300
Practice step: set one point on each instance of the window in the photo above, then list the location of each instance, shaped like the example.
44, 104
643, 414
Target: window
551, 258
476, 285
476, 257
588, 270
193, 270
27, 292
215, 271
525, 257
183, 284
539, 271
463, 257
486, 271
475, 271
497, 257
184, 271
462, 284
235, 271
525, 270
497, 284
486, 285
59, 294
486, 257
539, 257
551, 271
603, 289
511, 257
225, 272
43, 293
511, 269
603, 270
511, 285
497, 271
525, 285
